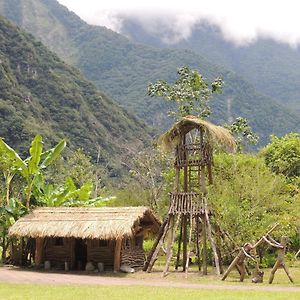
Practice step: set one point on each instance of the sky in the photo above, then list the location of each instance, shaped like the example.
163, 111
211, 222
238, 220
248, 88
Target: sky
240, 21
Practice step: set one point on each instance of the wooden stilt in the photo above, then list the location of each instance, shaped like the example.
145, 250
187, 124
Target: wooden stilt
179, 246
213, 245
189, 246
204, 246
197, 242
184, 241
173, 228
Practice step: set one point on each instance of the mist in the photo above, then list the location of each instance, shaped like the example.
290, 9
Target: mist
241, 22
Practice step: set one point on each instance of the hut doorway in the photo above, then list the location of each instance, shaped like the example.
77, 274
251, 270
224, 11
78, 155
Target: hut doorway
80, 254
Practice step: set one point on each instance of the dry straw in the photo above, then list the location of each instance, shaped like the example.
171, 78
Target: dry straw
217, 135
85, 223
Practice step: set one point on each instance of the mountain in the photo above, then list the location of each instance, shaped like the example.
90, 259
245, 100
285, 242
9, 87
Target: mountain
124, 68
272, 67
39, 93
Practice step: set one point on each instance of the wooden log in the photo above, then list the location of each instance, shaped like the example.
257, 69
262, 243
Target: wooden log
184, 241
213, 245
39, 251
173, 228
189, 246
204, 246
179, 246
117, 255
197, 242
159, 235
157, 249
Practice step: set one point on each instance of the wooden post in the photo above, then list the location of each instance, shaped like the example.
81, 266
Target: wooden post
184, 241
197, 242
179, 246
173, 228
39, 251
189, 246
213, 245
204, 246
159, 235
117, 255
159, 245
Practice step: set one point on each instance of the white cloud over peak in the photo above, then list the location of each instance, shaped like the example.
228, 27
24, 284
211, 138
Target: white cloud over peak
240, 21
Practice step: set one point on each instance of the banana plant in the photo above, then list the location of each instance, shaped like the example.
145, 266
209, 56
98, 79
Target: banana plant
34, 165
65, 195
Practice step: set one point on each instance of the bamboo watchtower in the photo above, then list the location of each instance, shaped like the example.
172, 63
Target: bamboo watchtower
193, 140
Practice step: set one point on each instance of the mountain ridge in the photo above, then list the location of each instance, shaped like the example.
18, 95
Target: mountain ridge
42, 94
124, 69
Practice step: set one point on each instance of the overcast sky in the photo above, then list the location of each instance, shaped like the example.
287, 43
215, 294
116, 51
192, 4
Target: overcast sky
241, 21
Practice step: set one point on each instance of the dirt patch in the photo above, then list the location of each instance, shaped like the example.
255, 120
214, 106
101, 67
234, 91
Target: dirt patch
20, 275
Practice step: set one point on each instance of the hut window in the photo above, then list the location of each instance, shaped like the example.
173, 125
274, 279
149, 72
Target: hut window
58, 241
103, 243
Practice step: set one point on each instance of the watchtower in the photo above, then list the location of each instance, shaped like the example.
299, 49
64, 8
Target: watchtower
193, 140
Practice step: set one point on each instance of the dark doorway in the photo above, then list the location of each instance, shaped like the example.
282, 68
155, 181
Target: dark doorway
80, 254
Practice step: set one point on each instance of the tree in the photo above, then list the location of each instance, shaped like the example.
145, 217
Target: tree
32, 166
282, 155
243, 133
190, 92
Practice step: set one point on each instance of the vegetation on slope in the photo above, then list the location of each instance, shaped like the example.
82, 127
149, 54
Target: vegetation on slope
124, 69
41, 94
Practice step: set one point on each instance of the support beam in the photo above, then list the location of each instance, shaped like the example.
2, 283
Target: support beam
117, 255
39, 251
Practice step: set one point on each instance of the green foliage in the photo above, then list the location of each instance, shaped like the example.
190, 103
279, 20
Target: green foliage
190, 92
243, 133
282, 155
123, 69
247, 198
39, 93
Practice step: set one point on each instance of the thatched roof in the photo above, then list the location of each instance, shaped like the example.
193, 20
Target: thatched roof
217, 134
86, 223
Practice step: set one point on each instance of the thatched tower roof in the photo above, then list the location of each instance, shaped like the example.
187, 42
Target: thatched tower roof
86, 223
216, 134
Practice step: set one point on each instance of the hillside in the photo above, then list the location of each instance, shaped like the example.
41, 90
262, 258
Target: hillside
41, 94
272, 67
123, 68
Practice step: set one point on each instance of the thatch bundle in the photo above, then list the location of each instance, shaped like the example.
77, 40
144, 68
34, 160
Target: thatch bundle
216, 134
85, 223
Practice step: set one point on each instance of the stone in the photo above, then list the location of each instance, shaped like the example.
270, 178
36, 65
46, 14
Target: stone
126, 269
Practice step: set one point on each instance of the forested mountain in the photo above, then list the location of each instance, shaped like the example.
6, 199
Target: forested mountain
124, 68
272, 67
39, 93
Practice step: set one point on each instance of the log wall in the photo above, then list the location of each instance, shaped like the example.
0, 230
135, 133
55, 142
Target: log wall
98, 252
59, 254
132, 252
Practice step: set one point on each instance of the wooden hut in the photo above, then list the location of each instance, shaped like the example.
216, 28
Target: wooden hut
73, 236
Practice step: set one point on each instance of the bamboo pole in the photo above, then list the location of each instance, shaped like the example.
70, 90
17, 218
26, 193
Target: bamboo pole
197, 242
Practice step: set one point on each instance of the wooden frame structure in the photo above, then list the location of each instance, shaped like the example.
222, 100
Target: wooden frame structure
73, 236
193, 140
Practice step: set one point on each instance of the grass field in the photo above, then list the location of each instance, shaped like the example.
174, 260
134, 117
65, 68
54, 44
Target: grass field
47, 292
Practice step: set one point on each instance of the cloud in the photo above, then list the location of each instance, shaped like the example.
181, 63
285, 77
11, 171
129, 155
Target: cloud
241, 22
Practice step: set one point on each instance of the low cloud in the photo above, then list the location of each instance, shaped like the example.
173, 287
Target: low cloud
241, 22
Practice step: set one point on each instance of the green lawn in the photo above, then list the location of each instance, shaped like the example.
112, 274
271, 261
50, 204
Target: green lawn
32, 292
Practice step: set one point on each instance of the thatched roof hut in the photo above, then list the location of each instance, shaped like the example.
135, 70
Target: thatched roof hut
112, 235
86, 223
216, 134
